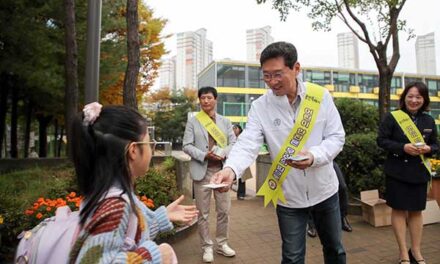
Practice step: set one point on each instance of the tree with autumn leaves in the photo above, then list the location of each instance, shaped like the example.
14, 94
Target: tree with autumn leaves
114, 58
42, 64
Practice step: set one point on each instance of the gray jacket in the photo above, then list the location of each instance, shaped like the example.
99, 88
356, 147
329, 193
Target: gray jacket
195, 143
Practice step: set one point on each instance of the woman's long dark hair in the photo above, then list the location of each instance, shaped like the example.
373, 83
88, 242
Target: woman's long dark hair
99, 153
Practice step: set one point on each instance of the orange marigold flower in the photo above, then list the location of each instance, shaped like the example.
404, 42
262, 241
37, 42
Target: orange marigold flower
35, 207
150, 201
29, 212
40, 200
72, 194
48, 209
39, 215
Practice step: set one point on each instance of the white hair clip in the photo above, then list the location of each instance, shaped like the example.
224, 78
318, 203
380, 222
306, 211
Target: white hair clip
91, 113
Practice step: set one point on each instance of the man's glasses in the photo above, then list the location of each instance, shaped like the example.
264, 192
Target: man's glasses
277, 76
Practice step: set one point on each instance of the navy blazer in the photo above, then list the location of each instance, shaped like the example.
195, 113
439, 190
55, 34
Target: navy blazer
399, 164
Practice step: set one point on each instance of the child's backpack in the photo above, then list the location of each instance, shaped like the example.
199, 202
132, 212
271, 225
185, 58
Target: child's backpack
51, 240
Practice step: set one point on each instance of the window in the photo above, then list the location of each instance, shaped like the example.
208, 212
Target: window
230, 76
255, 78
318, 77
343, 80
367, 82
433, 86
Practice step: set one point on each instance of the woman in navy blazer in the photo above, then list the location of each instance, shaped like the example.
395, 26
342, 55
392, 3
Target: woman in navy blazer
406, 175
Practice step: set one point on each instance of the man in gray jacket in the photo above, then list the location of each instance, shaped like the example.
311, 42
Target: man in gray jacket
309, 184
207, 139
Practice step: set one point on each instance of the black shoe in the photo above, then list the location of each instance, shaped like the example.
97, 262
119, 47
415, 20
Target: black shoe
413, 259
345, 225
311, 231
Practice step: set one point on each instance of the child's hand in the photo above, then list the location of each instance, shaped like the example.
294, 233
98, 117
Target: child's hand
181, 213
167, 254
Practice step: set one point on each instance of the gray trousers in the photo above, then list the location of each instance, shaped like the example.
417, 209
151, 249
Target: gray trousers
222, 207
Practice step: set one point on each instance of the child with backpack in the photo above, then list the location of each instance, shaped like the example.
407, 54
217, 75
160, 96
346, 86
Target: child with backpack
110, 148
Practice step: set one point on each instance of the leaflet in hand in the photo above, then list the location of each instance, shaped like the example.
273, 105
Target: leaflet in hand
215, 185
218, 151
298, 158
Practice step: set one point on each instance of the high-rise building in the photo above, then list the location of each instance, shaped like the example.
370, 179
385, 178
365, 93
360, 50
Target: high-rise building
348, 50
256, 40
167, 73
194, 53
425, 54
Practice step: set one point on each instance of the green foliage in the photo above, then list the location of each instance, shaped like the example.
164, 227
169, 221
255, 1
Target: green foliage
357, 116
362, 161
159, 183
170, 121
19, 189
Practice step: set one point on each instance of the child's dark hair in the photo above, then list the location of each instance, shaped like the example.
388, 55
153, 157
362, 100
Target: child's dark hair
239, 128
99, 153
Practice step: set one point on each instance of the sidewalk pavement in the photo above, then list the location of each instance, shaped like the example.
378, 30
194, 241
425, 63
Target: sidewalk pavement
254, 235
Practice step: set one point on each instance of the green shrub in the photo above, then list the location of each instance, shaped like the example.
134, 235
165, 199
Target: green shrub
357, 116
362, 161
159, 183
18, 191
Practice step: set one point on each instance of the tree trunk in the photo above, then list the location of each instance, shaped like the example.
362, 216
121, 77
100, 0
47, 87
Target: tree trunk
71, 67
384, 92
42, 134
14, 123
133, 52
27, 128
4, 92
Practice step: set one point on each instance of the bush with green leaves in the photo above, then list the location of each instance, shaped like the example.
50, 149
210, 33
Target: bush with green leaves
357, 116
159, 183
362, 161
18, 191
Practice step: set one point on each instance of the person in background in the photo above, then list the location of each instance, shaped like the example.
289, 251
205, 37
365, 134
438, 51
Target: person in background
310, 184
407, 174
241, 190
110, 148
207, 140
33, 154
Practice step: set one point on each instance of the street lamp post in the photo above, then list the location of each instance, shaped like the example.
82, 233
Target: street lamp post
93, 50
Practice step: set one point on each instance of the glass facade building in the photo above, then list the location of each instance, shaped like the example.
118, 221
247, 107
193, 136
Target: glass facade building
239, 83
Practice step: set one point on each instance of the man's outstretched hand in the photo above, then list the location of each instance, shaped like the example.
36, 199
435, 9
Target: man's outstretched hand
226, 175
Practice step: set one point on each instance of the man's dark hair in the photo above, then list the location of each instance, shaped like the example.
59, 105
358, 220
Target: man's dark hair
206, 90
280, 49
423, 91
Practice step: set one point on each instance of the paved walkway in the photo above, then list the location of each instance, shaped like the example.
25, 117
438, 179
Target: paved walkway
255, 236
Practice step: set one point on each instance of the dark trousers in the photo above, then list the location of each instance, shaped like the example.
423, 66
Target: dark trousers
241, 190
292, 223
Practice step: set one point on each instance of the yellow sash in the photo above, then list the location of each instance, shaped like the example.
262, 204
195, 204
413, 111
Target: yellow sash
309, 108
411, 132
212, 129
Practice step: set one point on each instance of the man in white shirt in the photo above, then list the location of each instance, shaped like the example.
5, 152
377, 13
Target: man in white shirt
311, 185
